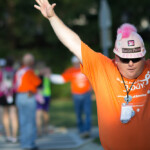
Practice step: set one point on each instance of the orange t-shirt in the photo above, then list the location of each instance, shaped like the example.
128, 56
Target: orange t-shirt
26, 80
110, 92
79, 82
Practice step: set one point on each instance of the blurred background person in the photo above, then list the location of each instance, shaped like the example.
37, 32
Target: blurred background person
2, 64
26, 84
43, 98
81, 94
7, 101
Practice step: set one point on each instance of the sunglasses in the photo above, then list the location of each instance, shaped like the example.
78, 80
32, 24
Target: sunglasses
134, 60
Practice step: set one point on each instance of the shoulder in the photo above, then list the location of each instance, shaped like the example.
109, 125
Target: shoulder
89, 54
70, 69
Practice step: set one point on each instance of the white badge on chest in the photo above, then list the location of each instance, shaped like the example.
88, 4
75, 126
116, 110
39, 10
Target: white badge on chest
127, 113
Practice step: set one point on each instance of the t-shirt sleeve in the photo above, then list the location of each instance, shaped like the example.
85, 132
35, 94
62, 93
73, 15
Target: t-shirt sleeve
94, 64
67, 75
34, 79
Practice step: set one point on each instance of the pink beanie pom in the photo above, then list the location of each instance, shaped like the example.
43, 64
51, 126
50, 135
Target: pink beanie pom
126, 30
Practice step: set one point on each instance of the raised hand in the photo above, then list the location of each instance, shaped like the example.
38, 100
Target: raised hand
68, 37
45, 8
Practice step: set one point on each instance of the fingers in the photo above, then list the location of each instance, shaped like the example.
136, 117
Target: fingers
38, 1
46, 1
37, 7
53, 5
43, 1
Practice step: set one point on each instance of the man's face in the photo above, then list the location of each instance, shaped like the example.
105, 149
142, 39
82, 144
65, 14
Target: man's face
130, 68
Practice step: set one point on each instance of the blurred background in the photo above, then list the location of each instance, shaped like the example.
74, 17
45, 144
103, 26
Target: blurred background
23, 29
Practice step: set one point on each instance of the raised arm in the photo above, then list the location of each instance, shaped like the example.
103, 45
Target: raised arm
69, 38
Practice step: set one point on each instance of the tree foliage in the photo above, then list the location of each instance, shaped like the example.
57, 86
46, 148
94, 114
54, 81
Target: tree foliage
22, 28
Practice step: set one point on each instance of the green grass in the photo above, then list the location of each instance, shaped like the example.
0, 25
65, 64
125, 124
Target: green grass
62, 113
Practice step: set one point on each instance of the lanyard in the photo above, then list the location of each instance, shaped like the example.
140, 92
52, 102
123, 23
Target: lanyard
128, 98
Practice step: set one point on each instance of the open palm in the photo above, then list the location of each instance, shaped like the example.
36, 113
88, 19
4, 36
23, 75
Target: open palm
45, 7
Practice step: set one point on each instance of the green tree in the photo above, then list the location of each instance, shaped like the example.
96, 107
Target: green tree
22, 28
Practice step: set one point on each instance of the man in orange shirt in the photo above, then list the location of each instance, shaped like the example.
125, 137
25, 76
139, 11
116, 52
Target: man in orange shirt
26, 85
81, 93
121, 85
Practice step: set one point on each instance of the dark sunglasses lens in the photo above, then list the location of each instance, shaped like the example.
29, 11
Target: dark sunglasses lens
136, 60
128, 60
124, 60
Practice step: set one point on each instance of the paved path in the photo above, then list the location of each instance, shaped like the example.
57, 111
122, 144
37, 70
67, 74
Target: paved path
59, 139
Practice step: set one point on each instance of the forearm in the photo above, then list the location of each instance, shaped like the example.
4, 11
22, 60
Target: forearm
69, 38
57, 79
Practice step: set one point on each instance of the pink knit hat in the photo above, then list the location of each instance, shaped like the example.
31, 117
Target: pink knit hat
129, 43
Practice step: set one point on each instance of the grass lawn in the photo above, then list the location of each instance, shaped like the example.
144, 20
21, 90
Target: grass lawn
62, 113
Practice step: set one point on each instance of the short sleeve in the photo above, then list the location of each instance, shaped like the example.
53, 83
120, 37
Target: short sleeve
94, 64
